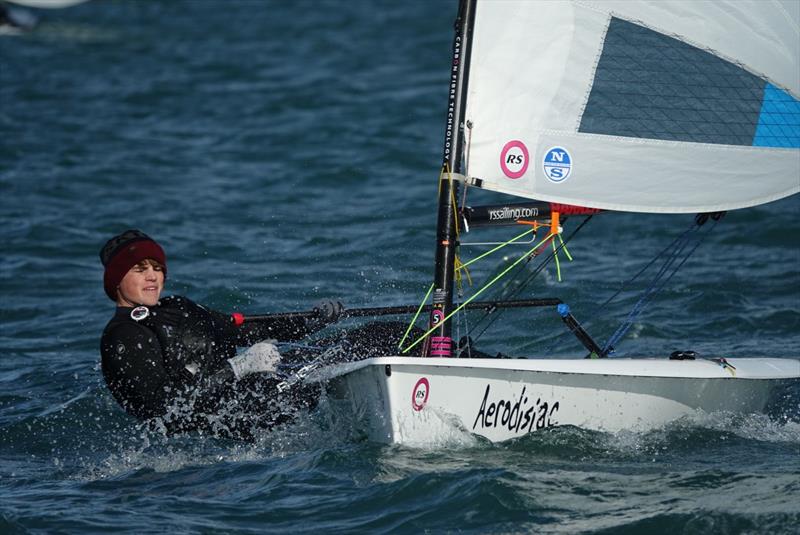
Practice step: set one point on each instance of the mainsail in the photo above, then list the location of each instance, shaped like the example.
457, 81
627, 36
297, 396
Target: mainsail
662, 106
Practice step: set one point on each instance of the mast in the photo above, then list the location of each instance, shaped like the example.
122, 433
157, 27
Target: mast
441, 343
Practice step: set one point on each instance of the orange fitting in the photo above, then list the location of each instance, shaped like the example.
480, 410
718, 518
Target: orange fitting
555, 222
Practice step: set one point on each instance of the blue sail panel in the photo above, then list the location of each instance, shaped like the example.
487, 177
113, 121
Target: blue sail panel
779, 120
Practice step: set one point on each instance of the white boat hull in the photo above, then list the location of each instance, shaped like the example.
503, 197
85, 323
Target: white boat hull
420, 400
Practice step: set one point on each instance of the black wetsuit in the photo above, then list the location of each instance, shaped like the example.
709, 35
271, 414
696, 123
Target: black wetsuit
172, 365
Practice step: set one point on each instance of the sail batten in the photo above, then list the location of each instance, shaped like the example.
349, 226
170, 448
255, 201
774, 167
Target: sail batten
666, 107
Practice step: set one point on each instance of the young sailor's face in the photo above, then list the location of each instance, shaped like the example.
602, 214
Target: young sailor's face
142, 285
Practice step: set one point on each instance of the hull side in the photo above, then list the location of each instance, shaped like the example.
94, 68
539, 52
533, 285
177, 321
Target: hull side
409, 401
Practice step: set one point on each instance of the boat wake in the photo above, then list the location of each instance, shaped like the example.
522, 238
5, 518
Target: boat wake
88, 439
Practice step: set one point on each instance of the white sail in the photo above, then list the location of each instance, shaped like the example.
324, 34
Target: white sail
665, 106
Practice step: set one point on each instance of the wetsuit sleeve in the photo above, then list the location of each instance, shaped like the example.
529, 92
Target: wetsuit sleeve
280, 329
133, 367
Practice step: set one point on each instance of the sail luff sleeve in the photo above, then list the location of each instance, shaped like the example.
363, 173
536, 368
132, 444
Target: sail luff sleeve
440, 342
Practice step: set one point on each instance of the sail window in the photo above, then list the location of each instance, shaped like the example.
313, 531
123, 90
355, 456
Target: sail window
650, 85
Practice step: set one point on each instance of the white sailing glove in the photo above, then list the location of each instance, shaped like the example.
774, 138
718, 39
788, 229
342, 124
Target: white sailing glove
263, 357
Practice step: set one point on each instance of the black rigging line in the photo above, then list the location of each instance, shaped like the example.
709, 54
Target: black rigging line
625, 285
673, 252
659, 280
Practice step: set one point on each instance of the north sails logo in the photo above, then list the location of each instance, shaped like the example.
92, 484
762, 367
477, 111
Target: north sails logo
557, 164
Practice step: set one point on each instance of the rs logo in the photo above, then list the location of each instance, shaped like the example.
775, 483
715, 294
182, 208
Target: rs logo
514, 159
419, 396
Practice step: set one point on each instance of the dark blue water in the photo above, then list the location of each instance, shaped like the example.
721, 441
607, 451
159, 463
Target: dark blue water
288, 151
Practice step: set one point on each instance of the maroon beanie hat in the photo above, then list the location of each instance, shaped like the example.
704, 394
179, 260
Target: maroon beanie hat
124, 251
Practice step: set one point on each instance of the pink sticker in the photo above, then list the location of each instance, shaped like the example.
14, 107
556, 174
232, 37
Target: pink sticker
419, 397
514, 159
441, 346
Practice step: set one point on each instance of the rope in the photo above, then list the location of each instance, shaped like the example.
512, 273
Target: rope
466, 330
555, 257
490, 251
515, 291
457, 261
476, 294
627, 283
416, 315
624, 286
659, 281
458, 267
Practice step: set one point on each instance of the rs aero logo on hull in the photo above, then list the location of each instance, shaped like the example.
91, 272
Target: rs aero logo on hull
419, 396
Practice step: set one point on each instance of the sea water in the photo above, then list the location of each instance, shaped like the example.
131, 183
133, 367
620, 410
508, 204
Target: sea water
285, 152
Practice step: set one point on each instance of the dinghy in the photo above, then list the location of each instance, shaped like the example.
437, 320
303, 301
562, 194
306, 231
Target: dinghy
574, 108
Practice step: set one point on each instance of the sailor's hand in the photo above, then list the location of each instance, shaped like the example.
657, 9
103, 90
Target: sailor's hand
260, 358
328, 311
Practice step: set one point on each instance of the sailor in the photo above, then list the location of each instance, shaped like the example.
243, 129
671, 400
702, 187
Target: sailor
174, 363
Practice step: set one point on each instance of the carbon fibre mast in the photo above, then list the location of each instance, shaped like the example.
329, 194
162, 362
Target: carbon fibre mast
440, 344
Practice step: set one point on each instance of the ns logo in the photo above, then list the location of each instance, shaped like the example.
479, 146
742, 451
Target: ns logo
557, 164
